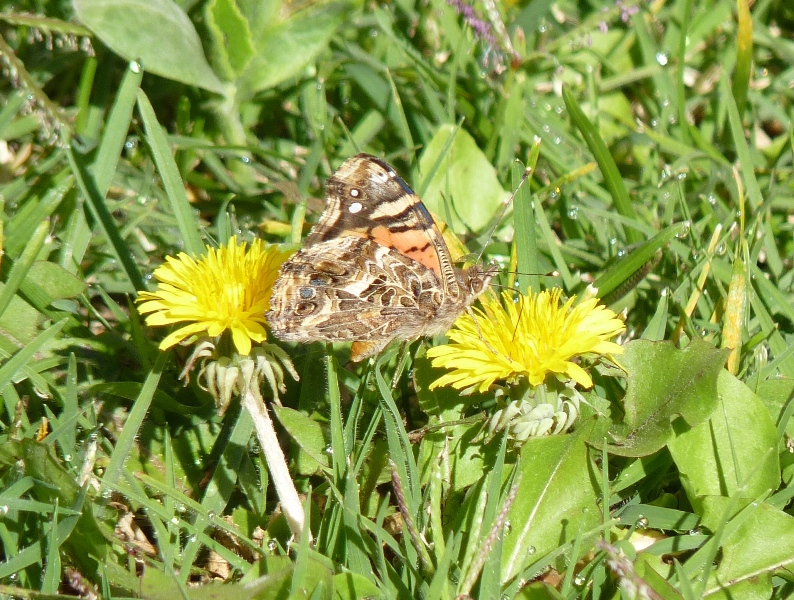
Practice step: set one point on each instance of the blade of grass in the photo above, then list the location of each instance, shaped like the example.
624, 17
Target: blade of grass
99, 209
116, 128
21, 267
134, 421
624, 269
740, 143
744, 54
172, 182
612, 179
19, 361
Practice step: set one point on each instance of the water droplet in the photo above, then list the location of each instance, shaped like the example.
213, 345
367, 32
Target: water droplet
641, 522
174, 521
192, 538
662, 58
180, 508
720, 249
136, 66
711, 199
508, 527
246, 160
3, 510
329, 450
579, 581
681, 176
573, 212
531, 550
211, 515
272, 545
67, 458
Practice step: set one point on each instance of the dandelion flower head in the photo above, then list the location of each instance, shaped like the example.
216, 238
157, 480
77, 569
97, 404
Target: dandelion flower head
532, 337
226, 289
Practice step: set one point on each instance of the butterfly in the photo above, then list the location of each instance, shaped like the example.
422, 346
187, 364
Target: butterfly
374, 269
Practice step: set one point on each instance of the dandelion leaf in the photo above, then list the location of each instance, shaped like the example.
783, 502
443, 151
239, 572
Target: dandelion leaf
668, 388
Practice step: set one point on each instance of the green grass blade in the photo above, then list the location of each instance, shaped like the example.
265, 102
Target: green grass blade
99, 209
134, 421
172, 182
21, 267
612, 179
115, 133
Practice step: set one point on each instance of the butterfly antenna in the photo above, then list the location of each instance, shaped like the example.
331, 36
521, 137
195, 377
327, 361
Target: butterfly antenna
505, 206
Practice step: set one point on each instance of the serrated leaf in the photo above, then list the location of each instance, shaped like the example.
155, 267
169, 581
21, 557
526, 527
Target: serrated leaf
157, 33
665, 383
464, 190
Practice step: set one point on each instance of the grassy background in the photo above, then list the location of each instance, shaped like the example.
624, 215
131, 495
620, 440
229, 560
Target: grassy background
664, 170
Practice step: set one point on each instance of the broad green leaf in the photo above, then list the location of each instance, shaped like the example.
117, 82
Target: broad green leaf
55, 281
286, 47
464, 458
20, 320
734, 452
230, 36
308, 433
665, 384
156, 33
464, 190
556, 499
778, 397
352, 586
752, 553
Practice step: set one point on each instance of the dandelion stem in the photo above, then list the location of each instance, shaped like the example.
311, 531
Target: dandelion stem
276, 464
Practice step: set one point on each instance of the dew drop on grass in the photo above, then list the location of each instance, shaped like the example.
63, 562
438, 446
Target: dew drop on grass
641, 522
136, 66
272, 545
662, 58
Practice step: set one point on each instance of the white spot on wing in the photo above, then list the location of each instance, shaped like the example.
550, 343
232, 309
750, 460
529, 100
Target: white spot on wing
354, 192
355, 207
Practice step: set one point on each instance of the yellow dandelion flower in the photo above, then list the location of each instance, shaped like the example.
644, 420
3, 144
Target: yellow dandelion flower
226, 289
529, 338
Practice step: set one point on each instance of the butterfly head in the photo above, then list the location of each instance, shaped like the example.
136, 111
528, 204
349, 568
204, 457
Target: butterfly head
475, 279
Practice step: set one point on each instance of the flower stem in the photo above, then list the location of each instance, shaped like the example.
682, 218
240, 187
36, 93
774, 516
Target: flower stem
276, 464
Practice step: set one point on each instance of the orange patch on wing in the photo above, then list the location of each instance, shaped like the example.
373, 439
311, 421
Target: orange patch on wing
413, 243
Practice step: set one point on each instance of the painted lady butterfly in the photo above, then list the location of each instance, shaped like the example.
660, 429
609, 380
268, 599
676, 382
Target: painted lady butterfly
374, 269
